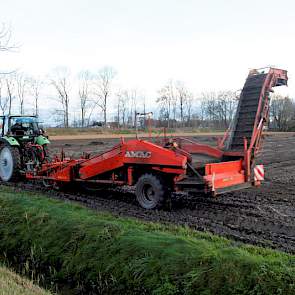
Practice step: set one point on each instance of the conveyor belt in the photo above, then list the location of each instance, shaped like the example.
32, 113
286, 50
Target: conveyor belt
247, 111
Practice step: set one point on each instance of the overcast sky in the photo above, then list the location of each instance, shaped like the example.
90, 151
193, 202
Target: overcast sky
208, 44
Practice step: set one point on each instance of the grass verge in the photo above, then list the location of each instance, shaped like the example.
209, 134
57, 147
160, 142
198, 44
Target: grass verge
13, 284
96, 252
131, 131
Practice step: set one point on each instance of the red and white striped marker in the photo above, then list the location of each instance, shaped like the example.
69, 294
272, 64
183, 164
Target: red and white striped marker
258, 173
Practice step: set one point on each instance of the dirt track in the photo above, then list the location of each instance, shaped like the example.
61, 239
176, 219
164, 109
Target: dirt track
98, 136
264, 216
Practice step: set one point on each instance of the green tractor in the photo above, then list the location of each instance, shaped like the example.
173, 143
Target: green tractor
23, 146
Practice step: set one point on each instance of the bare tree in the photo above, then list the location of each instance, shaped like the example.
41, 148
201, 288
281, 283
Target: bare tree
226, 106
35, 86
282, 113
103, 88
58, 116
219, 107
122, 107
132, 97
184, 98
189, 106
4, 99
5, 38
5, 45
10, 88
176, 102
85, 78
60, 82
21, 89
203, 110
118, 116
182, 94
167, 102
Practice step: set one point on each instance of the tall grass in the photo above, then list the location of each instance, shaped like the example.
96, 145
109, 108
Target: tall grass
98, 253
13, 284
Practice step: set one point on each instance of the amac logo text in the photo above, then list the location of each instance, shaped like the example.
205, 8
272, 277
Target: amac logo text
138, 154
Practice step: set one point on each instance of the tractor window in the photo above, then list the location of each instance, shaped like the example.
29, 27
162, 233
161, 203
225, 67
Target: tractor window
23, 125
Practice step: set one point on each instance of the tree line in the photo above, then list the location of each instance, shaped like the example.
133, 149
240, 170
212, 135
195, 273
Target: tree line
176, 106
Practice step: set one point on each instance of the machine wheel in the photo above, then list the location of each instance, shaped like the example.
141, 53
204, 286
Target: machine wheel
150, 191
10, 163
48, 183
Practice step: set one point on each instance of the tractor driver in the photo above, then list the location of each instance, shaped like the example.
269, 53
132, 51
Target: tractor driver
18, 126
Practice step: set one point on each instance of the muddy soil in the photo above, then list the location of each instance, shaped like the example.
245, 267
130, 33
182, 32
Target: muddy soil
261, 216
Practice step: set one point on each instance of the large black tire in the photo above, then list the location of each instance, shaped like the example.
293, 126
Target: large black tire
150, 191
10, 163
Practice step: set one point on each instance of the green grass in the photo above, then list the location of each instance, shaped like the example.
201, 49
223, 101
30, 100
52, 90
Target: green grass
89, 251
107, 131
13, 284
99, 130
73, 131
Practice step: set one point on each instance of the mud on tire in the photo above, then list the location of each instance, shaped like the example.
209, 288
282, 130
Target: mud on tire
151, 191
10, 163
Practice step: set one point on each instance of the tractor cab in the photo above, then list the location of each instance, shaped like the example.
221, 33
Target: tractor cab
23, 126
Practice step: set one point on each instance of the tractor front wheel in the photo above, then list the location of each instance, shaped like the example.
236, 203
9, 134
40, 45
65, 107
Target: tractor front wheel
150, 191
10, 163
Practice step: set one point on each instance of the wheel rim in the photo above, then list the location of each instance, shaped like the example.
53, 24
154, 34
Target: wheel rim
47, 183
6, 164
148, 195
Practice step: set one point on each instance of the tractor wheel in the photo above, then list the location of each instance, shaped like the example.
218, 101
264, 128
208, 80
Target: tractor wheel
10, 163
150, 191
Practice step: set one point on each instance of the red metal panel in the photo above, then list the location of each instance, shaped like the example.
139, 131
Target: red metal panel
133, 152
151, 154
64, 172
224, 167
169, 170
195, 148
225, 174
222, 180
103, 163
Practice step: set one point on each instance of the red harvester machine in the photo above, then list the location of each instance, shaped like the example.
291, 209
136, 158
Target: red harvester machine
180, 164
